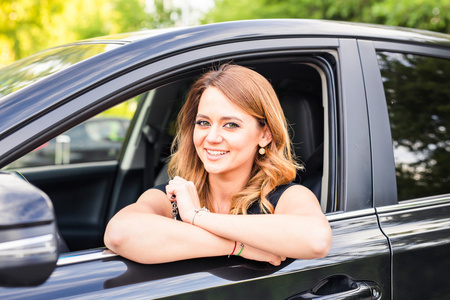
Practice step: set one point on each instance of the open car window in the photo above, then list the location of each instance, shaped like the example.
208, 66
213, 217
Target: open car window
88, 183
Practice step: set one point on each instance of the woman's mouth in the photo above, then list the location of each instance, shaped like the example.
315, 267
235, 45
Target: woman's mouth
216, 152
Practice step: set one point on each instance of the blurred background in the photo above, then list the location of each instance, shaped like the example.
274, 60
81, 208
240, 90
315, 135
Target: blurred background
28, 26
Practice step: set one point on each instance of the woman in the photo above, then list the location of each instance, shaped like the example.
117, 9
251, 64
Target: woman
232, 169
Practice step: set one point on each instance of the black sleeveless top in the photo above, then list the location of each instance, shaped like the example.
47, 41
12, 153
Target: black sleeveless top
254, 209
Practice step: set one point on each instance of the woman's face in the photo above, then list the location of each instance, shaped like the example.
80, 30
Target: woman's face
225, 137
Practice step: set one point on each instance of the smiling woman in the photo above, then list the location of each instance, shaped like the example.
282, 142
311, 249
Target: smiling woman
225, 137
232, 171
346, 93
248, 99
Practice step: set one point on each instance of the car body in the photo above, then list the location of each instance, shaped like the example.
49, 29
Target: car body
338, 86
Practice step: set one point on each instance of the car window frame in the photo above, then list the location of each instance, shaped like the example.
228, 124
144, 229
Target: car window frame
158, 72
374, 243
354, 142
383, 164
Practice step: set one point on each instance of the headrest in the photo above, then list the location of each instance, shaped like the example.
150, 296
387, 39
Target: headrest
304, 114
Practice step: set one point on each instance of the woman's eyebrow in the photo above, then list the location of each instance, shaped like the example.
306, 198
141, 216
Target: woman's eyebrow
223, 118
231, 118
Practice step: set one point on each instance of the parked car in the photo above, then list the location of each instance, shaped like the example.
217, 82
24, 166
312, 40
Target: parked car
369, 112
97, 139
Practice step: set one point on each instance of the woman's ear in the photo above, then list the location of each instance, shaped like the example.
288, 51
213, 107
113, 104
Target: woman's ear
266, 138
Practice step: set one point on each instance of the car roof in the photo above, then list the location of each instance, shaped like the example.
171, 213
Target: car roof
140, 47
287, 27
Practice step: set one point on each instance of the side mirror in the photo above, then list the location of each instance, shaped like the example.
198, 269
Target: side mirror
28, 245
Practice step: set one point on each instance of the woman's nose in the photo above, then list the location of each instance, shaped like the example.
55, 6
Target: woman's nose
214, 135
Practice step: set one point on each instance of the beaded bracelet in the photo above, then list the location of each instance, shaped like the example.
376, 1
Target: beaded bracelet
199, 212
242, 248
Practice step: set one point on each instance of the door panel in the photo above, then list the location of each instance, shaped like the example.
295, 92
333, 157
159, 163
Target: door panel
80, 194
419, 233
359, 253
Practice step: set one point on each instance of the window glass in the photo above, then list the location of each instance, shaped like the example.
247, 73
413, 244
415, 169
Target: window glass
97, 139
418, 99
45, 63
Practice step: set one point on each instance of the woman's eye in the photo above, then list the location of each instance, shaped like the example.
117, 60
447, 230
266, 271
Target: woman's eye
231, 125
202, 123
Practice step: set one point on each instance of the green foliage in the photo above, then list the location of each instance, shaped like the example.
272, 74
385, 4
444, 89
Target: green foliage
28, 26
422, 14
123, 110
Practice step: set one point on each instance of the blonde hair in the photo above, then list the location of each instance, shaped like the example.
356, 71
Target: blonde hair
252, 93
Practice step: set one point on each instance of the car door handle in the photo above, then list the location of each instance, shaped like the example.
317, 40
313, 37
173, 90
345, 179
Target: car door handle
341, 287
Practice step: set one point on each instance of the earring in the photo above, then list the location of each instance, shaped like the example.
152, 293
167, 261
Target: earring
262, 151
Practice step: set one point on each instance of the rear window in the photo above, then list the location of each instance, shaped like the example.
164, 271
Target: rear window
418, 99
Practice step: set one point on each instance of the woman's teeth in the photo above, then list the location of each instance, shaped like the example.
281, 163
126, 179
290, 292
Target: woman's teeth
214, 152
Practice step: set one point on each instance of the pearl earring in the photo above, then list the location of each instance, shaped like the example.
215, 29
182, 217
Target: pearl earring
262, 151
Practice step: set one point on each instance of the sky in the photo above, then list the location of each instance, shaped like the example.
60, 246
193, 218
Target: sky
193, 9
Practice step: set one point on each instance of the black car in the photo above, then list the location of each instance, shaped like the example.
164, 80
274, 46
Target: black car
369, 112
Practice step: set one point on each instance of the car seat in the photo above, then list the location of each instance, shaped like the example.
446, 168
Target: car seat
304, 113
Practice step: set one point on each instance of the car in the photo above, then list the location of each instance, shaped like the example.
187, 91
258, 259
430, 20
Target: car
97, 139
368, 112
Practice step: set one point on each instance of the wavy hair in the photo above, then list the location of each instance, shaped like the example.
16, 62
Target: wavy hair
251, 92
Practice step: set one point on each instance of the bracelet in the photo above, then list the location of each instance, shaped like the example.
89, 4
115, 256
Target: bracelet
199, 212
232, 252
242, 248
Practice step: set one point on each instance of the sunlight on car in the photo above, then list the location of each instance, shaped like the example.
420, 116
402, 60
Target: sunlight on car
45, 63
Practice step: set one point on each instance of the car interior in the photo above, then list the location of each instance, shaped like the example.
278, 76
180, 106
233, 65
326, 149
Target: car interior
86, 195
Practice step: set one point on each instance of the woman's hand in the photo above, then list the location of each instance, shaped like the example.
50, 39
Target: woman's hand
185, 193
259, 255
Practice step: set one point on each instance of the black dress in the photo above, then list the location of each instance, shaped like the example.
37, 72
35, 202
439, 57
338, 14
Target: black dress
254, 209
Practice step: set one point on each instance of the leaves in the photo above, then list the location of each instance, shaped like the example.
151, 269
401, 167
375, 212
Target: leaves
28, 26
421, 14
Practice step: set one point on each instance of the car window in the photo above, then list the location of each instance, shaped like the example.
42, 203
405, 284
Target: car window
45, 63
97, 139
300, 90
418, 100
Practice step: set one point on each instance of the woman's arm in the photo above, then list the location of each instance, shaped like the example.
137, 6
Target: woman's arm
146, 233
298, 229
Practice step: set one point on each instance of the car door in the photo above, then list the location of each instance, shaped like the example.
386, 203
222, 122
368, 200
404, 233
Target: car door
358, 265
408, 89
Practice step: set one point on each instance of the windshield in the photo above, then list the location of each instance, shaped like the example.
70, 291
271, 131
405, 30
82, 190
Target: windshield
42, 64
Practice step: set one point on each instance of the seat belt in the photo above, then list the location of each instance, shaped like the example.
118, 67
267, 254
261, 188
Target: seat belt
150, 135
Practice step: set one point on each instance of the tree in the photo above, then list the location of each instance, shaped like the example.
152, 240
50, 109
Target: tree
423, 14
28, 26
